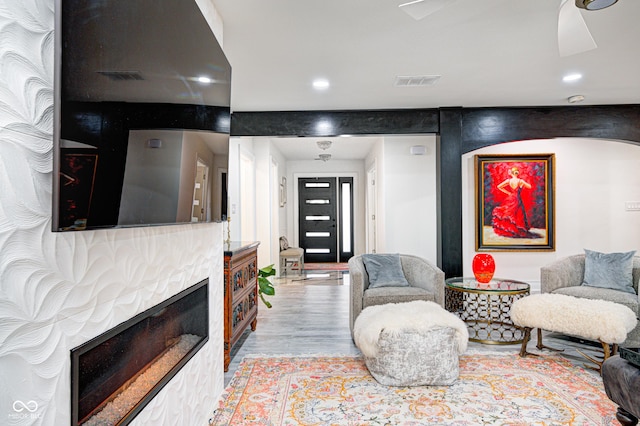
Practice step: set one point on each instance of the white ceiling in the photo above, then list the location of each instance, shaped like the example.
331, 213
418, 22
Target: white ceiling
489, 53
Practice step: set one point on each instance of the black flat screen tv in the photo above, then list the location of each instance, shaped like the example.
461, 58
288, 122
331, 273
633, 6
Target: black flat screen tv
142, 115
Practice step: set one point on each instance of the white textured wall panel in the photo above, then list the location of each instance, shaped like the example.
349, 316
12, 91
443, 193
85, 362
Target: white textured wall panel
58, 290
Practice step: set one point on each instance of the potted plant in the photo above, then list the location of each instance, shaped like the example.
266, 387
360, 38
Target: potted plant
264, 285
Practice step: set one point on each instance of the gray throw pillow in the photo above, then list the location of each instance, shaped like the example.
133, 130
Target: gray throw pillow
384, 270
609, 270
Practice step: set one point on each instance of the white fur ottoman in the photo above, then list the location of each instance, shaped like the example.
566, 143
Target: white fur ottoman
591, 319
411, 344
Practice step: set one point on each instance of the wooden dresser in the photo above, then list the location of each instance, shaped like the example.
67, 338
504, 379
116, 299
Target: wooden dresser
240, 292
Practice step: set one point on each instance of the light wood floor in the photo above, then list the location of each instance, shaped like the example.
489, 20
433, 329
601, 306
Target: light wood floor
310, 315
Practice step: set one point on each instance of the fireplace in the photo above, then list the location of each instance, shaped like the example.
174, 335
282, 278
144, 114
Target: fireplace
116, 374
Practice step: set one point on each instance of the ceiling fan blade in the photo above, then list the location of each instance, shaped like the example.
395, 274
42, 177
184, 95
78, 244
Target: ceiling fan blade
573, 35
420, 9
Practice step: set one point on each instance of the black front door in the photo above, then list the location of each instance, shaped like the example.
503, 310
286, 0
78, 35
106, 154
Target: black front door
317, 218
326, 218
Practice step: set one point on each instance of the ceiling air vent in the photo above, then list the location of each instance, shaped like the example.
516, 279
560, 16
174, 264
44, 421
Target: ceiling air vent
416, 80
122, 75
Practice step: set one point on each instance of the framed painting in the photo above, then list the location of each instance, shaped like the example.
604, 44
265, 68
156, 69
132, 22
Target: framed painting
515, 202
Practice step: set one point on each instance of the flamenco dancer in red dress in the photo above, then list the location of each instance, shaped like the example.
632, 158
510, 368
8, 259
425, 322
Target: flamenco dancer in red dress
510, 218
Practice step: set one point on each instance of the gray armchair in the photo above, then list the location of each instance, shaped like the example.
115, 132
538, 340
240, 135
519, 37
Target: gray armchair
426, 282
565, 276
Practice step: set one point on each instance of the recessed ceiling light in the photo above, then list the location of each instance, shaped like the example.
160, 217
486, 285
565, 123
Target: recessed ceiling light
571, 77
320, 84
204, 80
324, 127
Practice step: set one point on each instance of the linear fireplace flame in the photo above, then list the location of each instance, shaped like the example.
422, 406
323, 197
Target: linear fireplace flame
116, 374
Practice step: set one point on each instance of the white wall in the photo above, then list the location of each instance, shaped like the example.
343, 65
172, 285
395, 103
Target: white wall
58, 290
263, 208
410, 215
266, 195
593, 180
406, 196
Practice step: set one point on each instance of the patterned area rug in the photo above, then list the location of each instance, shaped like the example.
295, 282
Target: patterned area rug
492, 389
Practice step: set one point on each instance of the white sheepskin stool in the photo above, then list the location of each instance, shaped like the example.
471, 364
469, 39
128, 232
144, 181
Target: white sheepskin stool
591, 319
411, 344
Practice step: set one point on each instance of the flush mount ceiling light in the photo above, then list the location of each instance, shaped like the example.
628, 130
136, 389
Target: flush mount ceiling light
324, 144
324, 157
594, 4
575, 99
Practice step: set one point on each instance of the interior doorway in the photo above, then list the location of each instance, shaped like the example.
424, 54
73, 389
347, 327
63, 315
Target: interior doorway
200, 190
325, 218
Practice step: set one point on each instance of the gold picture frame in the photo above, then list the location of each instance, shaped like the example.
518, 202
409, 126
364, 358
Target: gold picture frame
515, 202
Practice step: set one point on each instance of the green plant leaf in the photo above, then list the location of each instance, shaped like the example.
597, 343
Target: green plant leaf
264, 285
267, 271
267, 289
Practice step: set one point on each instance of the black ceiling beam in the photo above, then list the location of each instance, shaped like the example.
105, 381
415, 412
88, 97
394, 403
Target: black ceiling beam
334, 123
483, 127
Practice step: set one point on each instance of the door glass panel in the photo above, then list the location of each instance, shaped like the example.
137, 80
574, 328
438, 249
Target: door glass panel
317, 234
316, 185
318, 250
317, 202
346, 217
317, 217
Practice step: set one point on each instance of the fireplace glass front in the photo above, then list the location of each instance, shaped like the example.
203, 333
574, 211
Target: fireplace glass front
116, 374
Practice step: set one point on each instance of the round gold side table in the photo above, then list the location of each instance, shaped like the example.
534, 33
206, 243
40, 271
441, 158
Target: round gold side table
485, 308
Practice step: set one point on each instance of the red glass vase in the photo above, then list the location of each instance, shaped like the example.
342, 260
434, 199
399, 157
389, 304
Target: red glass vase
483, 267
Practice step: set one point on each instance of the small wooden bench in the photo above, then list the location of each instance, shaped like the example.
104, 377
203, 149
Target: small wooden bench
597, 320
